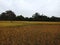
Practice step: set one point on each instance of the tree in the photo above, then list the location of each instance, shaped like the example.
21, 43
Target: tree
11, 15
20, 18
26, 19
53, 18
44, 17
3, 16
8, 15
36, 17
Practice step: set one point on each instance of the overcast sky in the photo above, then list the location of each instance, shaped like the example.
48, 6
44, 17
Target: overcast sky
28, 7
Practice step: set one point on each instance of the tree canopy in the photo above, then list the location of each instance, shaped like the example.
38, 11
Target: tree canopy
11, 16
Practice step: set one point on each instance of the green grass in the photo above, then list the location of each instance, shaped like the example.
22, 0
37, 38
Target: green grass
22, 23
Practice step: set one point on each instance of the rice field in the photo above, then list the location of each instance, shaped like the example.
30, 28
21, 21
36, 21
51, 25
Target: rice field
29, 33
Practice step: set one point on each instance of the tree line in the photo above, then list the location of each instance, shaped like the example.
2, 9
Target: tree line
11, 16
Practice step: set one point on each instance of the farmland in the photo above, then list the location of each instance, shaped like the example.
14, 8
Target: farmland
29, 33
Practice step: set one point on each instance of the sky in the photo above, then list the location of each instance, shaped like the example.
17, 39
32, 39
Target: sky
28, 7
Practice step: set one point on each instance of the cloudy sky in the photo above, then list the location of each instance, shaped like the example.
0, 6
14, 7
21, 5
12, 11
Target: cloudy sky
29, 7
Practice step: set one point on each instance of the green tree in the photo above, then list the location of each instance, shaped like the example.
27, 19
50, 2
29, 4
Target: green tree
8, 15
20, 18
36, 16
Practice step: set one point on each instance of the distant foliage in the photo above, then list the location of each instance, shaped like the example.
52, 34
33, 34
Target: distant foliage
8, 15
20, 18
11, 16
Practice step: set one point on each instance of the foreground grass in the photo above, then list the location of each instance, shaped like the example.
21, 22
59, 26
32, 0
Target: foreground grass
33, 33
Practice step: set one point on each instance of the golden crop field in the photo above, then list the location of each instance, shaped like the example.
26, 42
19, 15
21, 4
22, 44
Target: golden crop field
29, 33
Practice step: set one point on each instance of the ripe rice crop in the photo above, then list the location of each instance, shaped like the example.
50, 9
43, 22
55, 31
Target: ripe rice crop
29, 33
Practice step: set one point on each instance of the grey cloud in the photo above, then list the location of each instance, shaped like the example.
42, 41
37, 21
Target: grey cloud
29, 7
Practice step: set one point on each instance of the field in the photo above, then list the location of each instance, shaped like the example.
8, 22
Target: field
29, 33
